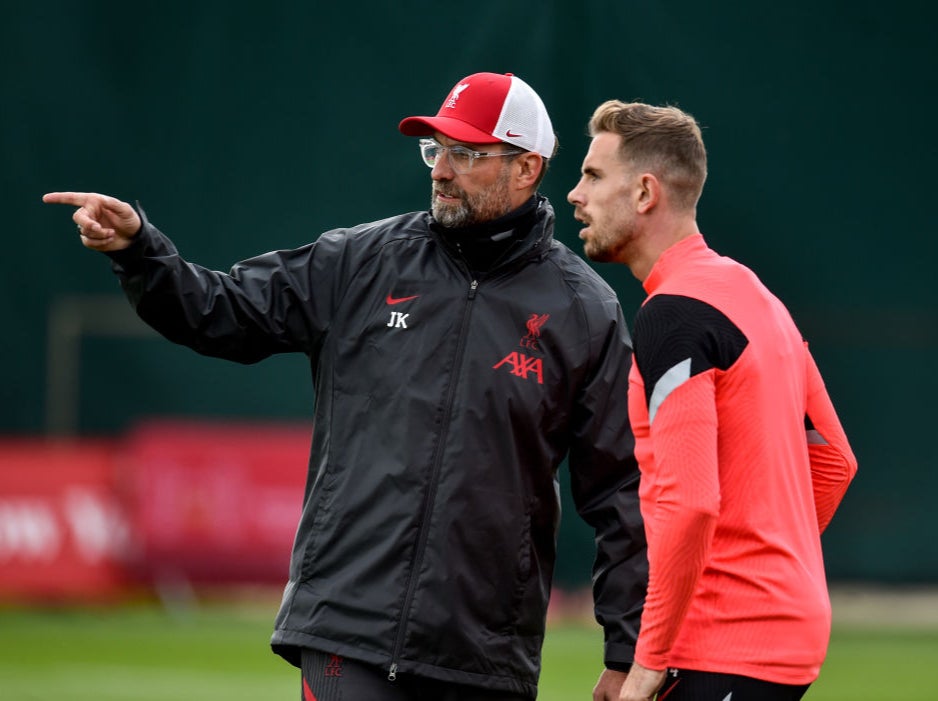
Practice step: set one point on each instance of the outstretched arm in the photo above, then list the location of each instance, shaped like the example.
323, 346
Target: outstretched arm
264, 305
104, 223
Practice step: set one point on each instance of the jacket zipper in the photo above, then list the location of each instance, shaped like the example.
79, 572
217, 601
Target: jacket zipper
430, 495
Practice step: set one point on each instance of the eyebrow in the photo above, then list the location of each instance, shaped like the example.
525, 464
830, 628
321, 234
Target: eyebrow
480, 148
464, 144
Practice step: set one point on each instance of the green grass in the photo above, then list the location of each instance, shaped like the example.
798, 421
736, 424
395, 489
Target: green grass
863, 664
220, 653
140, 654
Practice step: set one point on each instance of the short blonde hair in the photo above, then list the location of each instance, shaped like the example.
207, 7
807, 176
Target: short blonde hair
662, 140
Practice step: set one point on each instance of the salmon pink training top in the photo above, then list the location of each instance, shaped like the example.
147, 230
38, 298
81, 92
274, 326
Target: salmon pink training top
743, 463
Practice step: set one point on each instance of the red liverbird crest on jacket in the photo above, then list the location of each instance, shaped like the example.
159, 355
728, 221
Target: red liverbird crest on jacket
534, 324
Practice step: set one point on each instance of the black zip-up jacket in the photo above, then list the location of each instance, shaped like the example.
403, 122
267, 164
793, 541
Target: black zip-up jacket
445, 402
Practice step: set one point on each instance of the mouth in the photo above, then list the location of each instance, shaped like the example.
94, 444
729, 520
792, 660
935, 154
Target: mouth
582, 218
442, 196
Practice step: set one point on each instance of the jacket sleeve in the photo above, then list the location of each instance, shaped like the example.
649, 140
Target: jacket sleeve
262, 306
833, 464
604, 479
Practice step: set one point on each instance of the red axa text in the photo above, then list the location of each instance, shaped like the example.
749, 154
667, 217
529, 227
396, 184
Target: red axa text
522, 366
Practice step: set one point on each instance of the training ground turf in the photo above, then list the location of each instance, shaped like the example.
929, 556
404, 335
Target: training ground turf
219, 652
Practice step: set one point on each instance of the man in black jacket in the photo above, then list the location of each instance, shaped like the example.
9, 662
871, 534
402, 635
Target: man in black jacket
458, 355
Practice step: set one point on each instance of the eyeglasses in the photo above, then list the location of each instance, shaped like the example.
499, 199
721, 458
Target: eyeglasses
460, 158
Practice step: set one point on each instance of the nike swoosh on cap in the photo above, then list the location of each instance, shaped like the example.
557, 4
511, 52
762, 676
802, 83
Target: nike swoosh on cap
397, 300
512, 134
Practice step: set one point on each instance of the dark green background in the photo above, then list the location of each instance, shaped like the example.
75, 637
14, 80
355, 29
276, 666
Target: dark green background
248, 127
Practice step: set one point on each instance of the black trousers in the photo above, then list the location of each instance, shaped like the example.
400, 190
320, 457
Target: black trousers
689, 685
333, 678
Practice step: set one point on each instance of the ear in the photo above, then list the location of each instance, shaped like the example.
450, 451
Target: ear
649, 193
527, 168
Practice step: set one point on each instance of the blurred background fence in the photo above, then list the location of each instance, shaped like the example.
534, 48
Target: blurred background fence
246, 127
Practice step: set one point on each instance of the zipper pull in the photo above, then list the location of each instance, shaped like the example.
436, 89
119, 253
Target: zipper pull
473, 286
392, 673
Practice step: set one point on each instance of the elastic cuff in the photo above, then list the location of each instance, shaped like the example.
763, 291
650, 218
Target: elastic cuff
624, 667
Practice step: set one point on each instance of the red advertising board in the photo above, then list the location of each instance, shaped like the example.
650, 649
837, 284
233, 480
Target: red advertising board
215, 503
63, 532
172, 502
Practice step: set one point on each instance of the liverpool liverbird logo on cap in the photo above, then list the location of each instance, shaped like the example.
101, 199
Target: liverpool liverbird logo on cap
451, 103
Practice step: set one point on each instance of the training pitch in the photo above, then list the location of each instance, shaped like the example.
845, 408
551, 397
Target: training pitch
219, 652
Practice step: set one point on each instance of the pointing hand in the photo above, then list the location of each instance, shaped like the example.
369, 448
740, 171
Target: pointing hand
104, 223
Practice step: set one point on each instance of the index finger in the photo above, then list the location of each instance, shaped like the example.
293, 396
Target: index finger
92, 202
74, 198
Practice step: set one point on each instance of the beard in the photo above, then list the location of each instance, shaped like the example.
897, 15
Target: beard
613, 245
486, 205
600, 250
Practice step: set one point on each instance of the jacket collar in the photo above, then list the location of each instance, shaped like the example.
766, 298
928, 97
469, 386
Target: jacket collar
485, 247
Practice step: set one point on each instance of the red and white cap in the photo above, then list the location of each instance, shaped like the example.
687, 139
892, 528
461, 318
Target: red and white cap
485, 108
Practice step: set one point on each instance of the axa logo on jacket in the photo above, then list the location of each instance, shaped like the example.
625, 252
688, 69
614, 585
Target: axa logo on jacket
522, 365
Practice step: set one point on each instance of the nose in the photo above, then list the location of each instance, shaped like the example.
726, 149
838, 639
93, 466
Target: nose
574, 197
442, 170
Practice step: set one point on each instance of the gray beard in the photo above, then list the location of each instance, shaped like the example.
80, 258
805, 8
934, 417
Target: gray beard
484, 206
451, 217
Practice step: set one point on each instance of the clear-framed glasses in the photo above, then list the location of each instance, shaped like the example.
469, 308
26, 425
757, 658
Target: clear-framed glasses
460, 157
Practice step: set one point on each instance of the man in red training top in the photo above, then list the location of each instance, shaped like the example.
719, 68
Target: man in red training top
743, 459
